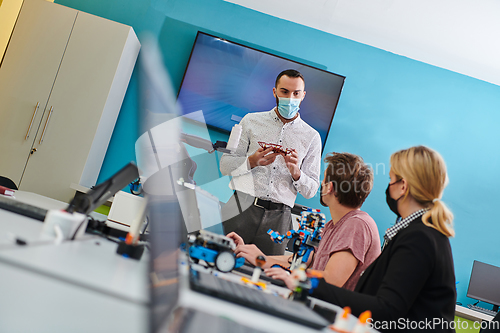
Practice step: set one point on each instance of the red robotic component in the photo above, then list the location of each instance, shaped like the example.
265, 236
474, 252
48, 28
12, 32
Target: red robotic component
276, 148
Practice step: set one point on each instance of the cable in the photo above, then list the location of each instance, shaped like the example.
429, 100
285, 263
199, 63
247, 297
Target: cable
145, 225
79, 226
282, 267
312, 258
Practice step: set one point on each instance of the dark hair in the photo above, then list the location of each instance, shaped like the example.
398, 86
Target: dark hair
289, 73
352, 178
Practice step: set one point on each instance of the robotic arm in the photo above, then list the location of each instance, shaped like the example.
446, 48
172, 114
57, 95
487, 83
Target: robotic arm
306, 238
207, 145
187, 165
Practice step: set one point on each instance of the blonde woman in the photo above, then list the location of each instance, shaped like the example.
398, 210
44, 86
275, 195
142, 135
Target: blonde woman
411, 285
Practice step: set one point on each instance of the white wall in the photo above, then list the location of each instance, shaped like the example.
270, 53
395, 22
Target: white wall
459, 35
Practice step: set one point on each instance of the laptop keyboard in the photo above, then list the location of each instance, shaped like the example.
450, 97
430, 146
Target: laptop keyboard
196, 321
247, 270
257, 300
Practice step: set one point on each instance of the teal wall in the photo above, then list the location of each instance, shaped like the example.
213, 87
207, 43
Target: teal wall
389, 102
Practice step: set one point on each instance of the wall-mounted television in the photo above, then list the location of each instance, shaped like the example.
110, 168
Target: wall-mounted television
226, 80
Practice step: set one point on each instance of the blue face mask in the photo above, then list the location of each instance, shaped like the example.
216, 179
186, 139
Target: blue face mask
288, 107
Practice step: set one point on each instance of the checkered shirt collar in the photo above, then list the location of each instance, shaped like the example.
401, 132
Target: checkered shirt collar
393, 231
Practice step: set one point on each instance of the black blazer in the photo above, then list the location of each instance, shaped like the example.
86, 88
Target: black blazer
410, 286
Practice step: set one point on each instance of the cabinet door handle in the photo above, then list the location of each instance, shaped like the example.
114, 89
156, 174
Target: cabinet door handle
46, 123
31, 122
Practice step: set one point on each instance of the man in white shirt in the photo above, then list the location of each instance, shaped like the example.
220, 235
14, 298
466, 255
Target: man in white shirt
266, 182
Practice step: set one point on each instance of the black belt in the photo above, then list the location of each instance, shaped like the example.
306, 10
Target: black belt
269, 205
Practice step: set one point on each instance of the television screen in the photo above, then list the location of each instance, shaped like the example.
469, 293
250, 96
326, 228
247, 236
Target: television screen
226, 80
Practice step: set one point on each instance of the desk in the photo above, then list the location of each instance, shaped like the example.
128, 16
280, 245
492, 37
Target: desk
48, 203
84, 286
36, 303
469, 314
91, 263
78, 286
13, 225
39, 200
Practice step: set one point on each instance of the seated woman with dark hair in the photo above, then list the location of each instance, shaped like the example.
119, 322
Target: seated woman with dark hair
411, 285
350, 241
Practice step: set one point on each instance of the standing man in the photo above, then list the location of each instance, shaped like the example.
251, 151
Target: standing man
266, 183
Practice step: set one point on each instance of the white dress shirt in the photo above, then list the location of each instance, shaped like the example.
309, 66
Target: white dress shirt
274, 182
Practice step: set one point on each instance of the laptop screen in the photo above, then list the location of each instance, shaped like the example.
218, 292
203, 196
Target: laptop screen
160, 167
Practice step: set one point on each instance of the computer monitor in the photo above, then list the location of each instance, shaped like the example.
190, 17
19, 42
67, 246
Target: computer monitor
484, 283
99, 194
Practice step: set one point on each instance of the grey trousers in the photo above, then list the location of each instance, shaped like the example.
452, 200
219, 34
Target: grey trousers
252, 223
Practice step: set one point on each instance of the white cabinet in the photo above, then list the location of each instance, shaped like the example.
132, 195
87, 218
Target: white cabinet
62, 82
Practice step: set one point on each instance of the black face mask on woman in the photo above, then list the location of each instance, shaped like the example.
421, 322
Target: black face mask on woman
392, 203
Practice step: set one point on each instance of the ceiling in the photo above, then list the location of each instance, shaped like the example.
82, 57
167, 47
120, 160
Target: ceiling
459, 35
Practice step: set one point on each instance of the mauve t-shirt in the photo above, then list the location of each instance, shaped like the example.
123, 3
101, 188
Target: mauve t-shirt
356, 232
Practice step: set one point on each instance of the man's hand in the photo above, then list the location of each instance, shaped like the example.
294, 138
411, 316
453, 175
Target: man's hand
262, 157
292, 163
236, 238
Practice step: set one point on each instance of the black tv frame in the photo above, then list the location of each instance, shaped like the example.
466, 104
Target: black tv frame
290, 58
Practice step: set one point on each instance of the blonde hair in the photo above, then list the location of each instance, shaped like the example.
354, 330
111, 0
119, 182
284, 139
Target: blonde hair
425, 171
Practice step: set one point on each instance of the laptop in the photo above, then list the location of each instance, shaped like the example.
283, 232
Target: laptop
207, 207
248, 269
255, 299
201, 210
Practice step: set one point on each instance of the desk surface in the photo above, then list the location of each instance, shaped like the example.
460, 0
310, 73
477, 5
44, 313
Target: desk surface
39, 200
78, 286
36, 303
469, 314
91, 263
